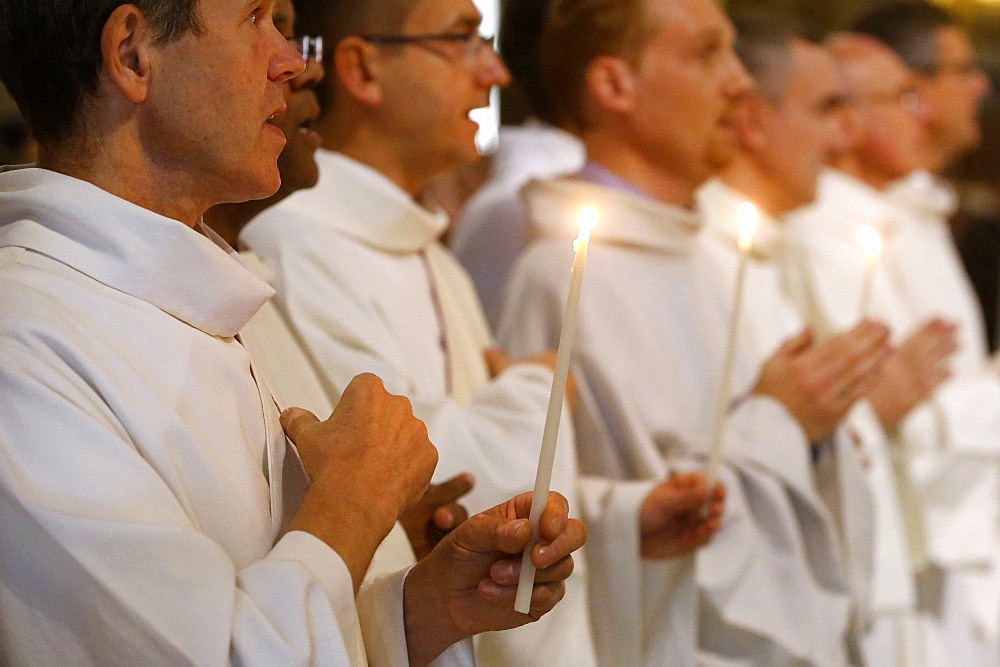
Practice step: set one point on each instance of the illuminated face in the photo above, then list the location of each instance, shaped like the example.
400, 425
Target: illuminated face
208, 110
952, 92
799, 133
688, 85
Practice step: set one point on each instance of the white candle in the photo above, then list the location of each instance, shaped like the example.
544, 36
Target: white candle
746, 224
543, 476
871, 245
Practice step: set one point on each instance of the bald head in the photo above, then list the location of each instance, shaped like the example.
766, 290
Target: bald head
861, 59
884, 114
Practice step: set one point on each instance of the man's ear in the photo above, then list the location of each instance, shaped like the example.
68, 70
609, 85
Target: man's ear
611, 83
356, 66
125, 44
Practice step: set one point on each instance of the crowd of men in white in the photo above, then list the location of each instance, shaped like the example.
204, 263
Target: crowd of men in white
168, 495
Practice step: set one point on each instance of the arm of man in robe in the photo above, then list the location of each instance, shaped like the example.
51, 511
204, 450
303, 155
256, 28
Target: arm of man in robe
498, 361
347, 334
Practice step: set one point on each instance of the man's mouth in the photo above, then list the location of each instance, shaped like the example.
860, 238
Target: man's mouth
277, 112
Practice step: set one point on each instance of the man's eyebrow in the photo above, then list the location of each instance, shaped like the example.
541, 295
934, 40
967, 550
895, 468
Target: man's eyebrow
466, 22
710, 35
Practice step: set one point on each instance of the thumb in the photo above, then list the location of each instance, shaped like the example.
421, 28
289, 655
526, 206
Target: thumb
798, 343
295, 421
450, 490
487, 533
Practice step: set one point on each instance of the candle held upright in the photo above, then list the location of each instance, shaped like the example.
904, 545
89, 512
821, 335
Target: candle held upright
746, 225
587, 218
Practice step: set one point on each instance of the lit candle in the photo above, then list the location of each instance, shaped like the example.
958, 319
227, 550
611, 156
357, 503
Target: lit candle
543, 476
746, 224
871, 245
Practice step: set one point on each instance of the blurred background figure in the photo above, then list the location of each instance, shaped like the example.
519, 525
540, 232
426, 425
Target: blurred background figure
929, 46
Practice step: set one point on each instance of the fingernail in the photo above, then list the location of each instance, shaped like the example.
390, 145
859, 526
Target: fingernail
544, 553
504, 571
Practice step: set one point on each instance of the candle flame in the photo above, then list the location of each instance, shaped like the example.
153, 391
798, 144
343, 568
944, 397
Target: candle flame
587, 217
870, 241
746, 225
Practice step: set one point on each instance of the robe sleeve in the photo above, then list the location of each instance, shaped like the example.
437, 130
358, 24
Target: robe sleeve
953, 446
610, 510
381, 612
102, 564
777, 533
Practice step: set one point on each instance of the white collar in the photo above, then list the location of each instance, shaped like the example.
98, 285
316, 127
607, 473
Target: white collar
844, 203
366, 205
623, 218
129, 248
718, 201
922, 192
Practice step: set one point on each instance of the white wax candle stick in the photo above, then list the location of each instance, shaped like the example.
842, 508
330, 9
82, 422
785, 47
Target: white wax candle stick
722, 399
866, 288
543, 475
746, 223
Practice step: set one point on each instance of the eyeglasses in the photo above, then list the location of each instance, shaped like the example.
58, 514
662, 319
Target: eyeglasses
966, 68
473, 44
311, 48
906, 99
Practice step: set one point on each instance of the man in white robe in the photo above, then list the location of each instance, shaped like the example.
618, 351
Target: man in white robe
491, 231
787, 130
946, 448
368, 287
951, 85
285, 368
651, 334
145, 493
